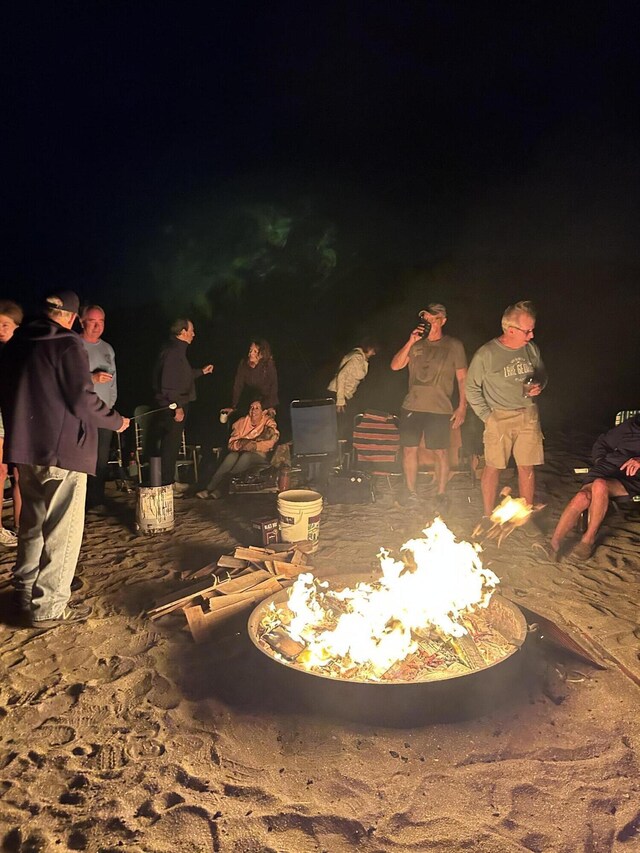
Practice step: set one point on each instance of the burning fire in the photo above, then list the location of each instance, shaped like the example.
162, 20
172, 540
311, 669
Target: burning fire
505, 518
431, 593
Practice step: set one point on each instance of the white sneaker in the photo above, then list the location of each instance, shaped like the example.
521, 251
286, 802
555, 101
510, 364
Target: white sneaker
8, 538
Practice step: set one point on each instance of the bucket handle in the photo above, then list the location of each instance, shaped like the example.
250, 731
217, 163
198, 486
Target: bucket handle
298, 520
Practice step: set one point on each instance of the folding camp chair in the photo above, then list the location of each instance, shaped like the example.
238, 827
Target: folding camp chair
141, 436
115, 464
376, 446
188, 457
314, 427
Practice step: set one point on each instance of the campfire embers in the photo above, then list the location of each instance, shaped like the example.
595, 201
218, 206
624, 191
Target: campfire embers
428, 617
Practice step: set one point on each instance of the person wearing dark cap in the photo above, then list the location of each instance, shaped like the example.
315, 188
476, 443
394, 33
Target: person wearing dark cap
436, 362
52, 416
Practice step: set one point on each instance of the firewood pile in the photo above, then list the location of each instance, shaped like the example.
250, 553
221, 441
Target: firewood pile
236, 582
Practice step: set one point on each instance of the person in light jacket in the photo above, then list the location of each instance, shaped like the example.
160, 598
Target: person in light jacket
353, 368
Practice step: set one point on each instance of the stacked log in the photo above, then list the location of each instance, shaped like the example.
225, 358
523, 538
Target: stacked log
236, 582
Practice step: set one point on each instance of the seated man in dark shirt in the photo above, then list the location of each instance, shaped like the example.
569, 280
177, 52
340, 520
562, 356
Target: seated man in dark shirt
615, 473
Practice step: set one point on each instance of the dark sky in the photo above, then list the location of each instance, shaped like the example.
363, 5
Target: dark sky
495, 141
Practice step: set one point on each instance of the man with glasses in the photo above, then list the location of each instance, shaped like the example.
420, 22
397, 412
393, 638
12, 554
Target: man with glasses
505, 375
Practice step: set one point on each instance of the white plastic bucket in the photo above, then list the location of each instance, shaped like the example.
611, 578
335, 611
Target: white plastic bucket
154, 511
299, 511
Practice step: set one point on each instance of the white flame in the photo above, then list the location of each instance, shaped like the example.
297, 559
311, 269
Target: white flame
448, 581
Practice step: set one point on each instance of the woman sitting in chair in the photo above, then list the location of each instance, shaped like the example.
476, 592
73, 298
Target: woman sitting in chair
252, 438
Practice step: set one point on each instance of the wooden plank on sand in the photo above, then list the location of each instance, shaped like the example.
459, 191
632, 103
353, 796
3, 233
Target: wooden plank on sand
287, 570
192, 574
226, 561
567, 637
180, 597
245, 582
202, 624
252, 554
299, 558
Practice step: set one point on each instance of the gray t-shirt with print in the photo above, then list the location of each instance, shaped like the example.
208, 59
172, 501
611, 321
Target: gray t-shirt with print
496, 374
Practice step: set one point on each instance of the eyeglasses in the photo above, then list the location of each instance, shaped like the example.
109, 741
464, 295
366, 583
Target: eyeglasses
524, 331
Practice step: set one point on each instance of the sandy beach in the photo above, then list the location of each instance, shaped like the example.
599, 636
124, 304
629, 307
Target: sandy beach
122, 734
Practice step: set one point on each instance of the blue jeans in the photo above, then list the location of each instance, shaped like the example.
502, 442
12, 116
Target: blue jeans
234, 463
49, 539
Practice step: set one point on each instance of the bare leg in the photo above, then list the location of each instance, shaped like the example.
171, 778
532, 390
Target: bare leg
527, 483
489, 488
442, 469
410, 467
570, 515
601, 491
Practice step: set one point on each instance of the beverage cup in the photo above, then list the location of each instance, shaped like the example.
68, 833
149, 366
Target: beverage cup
224, 417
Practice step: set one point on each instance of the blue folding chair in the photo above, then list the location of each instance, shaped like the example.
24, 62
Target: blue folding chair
314, 427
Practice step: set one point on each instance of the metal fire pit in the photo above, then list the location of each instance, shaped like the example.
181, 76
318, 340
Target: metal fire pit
398, 702
503, 615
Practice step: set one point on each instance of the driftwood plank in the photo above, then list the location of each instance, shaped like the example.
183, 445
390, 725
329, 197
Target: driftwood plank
178, 598
189, 574
255, 593
299, 558
258, 554
219, 602
226, 561
241, 584
287, 570
202, 625
567, 636
196, 619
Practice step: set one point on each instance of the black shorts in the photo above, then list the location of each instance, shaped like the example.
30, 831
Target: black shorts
436, 429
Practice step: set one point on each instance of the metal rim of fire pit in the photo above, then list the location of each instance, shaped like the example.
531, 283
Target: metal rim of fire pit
506, 617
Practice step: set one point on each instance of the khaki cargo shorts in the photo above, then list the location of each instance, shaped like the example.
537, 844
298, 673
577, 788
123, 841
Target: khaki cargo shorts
514, 431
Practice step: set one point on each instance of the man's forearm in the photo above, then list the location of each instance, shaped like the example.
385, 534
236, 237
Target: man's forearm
401, 358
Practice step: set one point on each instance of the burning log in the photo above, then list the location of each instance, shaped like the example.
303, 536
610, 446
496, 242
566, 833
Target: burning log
282, 643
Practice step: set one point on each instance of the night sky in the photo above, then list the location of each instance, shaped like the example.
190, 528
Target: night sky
312, 172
